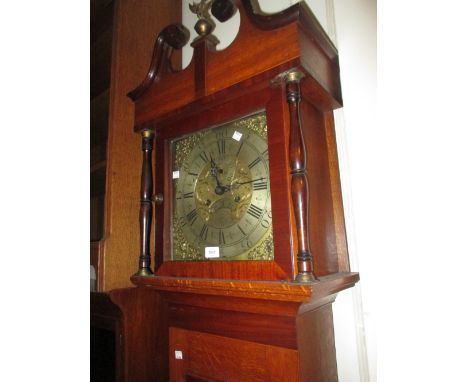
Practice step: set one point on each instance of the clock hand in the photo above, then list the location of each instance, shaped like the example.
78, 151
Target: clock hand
214, 170
219, 189
250, 181
213, 164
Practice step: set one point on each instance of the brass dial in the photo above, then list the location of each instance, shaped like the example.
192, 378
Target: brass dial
222, 207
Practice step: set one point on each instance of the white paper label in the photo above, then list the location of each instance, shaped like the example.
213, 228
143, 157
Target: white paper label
175, 174
178, 354
211, 252
237, 136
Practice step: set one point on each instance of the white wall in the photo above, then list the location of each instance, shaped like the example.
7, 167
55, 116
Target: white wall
356, 40
351, 24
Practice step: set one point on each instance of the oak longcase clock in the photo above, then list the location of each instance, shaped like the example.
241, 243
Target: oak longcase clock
243, 241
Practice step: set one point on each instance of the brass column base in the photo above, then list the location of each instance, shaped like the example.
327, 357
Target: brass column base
305, 277
144, 272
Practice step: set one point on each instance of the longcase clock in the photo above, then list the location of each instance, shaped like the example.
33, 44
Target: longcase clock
241, 192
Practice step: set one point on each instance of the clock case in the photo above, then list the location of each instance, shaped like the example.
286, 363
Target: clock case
257, 71
243, 320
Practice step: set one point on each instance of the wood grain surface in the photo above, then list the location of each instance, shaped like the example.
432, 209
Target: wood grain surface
291, 323
136, 25
258, 48
218, 358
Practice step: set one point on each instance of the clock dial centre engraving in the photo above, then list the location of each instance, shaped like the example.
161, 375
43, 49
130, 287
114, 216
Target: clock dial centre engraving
221, 196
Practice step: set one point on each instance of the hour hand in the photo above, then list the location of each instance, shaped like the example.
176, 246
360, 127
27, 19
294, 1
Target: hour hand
219, 189
213, 163
214, 169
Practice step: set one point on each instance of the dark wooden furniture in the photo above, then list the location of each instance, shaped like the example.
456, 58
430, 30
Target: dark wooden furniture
105, 330
102, 27
242, 320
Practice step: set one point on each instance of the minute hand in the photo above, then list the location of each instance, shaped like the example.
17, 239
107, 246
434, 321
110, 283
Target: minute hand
250, 181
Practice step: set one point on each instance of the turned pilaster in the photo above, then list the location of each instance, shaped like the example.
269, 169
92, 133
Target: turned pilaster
299, 183
146, 204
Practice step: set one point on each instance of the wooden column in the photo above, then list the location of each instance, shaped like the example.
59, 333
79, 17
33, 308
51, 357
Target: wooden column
299, 185
136, 23
146, 204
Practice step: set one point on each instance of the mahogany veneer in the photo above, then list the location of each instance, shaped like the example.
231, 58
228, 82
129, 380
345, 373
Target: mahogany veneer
243, 320
292, 319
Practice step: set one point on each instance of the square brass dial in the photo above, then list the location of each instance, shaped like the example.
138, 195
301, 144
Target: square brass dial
221, 193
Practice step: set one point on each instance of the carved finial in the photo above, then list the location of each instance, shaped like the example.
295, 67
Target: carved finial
201, 9
205, 23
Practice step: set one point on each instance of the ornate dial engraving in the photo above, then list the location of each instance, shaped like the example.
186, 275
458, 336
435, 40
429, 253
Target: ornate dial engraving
222, 197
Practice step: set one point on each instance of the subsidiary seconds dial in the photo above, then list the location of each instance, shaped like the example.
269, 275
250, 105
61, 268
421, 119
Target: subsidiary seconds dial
222, 207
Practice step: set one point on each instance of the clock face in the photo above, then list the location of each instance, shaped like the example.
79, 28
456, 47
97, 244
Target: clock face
221, 193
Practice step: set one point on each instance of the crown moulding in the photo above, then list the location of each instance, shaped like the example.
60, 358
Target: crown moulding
257, 51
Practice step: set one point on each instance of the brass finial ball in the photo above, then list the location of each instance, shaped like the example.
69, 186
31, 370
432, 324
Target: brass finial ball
203, 27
